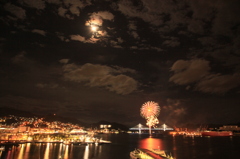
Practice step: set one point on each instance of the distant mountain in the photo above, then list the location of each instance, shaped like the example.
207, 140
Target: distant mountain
4, 111
53, 117
114, 125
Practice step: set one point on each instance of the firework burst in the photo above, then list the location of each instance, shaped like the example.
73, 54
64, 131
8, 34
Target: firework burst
149, 109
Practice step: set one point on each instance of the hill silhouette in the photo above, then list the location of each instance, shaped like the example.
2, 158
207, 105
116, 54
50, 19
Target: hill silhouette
114, 125
5, 111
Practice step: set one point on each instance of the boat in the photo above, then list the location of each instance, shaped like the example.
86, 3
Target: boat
2, 148
135, 154
82, 143
217, 133
149, 154
162, 153
159, 152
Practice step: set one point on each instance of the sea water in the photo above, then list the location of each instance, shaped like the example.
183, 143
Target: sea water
180, 147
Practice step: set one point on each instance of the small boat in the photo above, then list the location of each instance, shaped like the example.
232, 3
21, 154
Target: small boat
100, 142
217, 133
80, 143
162, 153
159, 152
135, 154
149, 154
2, 148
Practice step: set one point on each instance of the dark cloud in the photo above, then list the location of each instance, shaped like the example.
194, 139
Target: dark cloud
15, 10
198, 71
41, 32
175, 111
172, 42
219, 83
100, 76
38, 4
186, 72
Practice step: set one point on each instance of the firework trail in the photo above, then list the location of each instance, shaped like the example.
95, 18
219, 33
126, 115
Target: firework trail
151, 121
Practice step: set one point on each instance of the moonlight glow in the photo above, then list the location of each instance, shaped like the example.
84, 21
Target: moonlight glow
94, 28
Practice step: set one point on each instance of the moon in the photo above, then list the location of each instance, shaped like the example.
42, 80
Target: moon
94, 28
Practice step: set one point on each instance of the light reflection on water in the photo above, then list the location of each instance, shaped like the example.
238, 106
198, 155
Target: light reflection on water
21, 152
151, 143
174, 147
122, 144
50, 151
66, 152
86, 152
46, 153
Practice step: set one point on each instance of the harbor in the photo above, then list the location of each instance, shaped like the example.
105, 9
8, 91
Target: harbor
6, 145
179, 147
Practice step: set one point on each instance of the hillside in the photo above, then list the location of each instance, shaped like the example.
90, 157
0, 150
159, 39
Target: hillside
4, 111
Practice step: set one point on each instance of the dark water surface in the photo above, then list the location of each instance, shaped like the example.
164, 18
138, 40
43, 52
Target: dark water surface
181, 147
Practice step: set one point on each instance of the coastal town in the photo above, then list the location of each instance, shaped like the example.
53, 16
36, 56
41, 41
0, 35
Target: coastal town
15, 130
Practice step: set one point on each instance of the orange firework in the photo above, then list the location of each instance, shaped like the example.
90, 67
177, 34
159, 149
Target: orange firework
149, 109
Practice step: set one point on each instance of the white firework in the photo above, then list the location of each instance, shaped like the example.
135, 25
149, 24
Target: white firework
149, 109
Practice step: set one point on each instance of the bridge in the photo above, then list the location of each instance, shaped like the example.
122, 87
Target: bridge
141, 128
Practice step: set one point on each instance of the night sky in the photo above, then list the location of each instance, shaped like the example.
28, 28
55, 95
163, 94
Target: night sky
182, 54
